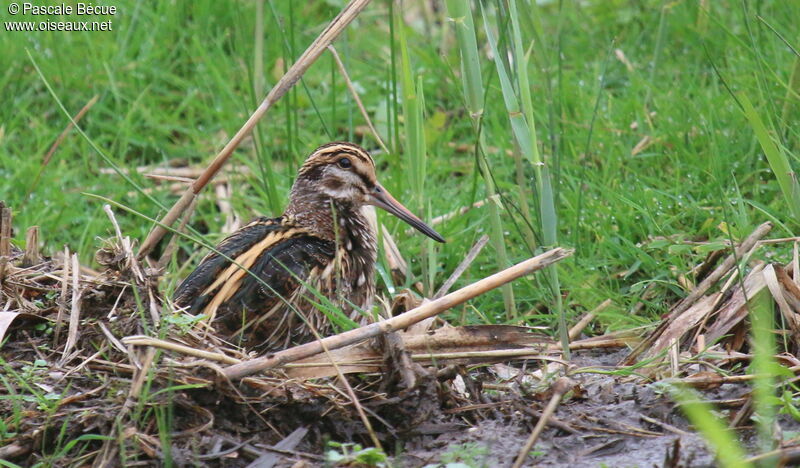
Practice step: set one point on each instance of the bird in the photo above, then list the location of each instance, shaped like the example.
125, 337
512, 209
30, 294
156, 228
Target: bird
322, 245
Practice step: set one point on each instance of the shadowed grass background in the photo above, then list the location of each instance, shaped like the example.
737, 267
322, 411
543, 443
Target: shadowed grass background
636, 122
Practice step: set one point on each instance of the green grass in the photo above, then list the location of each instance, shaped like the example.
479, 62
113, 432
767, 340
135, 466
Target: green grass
715, 95
183, 101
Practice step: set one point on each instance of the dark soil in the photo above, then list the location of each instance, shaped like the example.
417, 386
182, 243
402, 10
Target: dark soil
608, 418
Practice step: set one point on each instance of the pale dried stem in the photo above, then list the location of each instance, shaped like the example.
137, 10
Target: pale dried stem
32, 255
462, 267
110, 214
62, 301
347, 15
356, 98
142, 340
188, 174
576, 329
171, 178
75, 311
721, 270
5, 238
126, 245
560, 387
399, 322
607, 341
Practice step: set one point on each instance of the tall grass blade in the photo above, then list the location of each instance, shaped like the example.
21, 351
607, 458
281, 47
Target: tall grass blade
415, 149
778, 161
727, 449
765, 369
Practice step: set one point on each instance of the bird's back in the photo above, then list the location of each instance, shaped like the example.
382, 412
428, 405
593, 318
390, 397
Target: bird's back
261, 307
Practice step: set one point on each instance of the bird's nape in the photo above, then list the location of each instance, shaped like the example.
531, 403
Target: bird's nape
381, 198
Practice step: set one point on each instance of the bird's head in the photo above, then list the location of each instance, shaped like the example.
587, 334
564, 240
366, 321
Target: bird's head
345, 172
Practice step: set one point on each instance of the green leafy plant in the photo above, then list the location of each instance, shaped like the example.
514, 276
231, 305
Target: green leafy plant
347, 454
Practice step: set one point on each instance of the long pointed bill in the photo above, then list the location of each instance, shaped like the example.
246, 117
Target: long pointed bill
381, 198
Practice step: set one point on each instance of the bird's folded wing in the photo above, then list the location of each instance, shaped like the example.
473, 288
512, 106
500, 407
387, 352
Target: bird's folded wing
280, 256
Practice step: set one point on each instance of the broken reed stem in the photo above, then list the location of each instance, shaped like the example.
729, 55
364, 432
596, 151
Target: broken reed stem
32, 255
401, 321
357, 98
5, 238
576, 329
62, 302
560, 387
326, 360
295, 72
75, 312
721, 270
142, 340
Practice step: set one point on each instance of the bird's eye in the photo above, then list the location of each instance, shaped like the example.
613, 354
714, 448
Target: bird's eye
345, 163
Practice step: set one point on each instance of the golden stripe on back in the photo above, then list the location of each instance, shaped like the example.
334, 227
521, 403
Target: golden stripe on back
230, 279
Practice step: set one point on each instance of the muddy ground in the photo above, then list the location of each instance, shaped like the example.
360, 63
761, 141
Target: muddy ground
609, 421
612, 408
605, 420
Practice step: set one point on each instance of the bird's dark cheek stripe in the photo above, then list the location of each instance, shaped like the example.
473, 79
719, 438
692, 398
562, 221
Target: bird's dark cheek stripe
313, 173
334, 184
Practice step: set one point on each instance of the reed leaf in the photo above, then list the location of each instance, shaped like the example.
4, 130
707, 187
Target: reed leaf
778, 161
472, 85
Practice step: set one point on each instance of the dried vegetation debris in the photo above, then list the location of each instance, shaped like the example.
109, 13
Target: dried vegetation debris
85, 380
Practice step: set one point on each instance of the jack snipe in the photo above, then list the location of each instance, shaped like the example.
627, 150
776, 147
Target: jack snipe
323, 241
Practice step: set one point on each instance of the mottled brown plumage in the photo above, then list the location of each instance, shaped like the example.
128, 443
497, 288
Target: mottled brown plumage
323, 242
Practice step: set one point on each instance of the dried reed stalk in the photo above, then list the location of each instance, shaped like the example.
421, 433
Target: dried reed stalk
347, 15
32, 255
721, 270
462, 267
357, 98
399, 322
62, 301
743, 250
75, 312
5, 238
584, 322
560, 388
